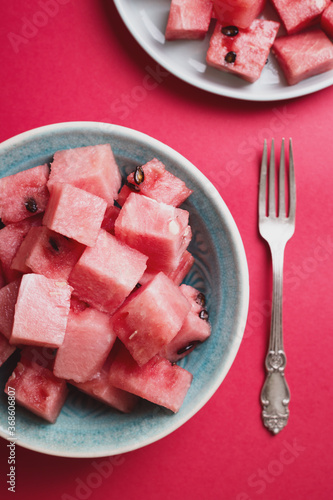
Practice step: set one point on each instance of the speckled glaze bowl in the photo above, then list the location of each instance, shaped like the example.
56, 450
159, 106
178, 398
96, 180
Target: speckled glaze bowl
87, 428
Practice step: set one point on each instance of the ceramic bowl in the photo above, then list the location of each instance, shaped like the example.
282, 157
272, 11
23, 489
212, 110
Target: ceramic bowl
85, 427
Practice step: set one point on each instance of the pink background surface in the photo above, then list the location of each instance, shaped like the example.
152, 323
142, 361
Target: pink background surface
80, 66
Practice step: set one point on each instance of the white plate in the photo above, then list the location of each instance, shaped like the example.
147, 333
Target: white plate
146, 20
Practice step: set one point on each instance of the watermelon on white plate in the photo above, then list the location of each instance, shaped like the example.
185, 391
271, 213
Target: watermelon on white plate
24, 194
156, 229
87, 343
304, 54
240, 13
297, 15
188, 19
150, 318
37, 389
158, 381
41, 311
8, 298
91, 168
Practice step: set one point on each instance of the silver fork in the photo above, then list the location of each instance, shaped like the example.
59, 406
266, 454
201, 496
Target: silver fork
276, 230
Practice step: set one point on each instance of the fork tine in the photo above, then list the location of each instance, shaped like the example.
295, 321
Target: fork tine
262, 186
271, 199
292, 184
282, 195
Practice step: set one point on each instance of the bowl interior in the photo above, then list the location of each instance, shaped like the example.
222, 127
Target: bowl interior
86, 428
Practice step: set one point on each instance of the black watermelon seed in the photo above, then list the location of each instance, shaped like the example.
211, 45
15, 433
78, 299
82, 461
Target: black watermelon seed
230, 57
139, 175
230, 30
2, 225
53, 244
132, 186
204, 314
191, 345
138, 285
31, 205
201, 299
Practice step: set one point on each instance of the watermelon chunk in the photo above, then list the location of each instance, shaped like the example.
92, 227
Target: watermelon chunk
6, 350
46, 252
37, 389
244, 54
303, 55
299, 14
240, 13
75, 213
106, 273
158, 381
41, 311
109, 220
195, 329
154, 181
23, 194
150, 318
8, 298
87, 343
177, 275
91, 168
188, 19
326, 20
157, 230
11, 238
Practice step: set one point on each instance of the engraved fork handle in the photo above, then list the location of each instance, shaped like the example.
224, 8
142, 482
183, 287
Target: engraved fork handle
275, 395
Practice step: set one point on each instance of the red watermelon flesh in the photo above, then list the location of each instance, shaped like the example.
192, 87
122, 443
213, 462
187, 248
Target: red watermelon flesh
11, 238
41, 311
6, 350
195, 329
8, 298
157, 230
327, 20
154, 181
124, 194
2, 277
24, 194
91, 168
177, 275
240, 13
188, 19
87, 343
107, 273
304, 54
150, 318
158, 381
37, 389
109, 220
299, 14
244, 54
75, 213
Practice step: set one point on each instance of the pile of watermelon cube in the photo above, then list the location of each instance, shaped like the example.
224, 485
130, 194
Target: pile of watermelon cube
91, 275
241, 42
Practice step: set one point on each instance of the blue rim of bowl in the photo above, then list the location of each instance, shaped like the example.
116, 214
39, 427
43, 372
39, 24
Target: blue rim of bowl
222, 210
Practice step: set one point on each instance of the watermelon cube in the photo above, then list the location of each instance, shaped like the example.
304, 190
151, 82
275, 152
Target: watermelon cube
46, 252
124, 194
109, 220
8, 298
299, 14
41, 311
100, 388
11, 238
91, 168
188, 19
326, 20
154, 181
240, 13
195, 329
6, 350
87, 343
2, 277
303, 55
245, 53
157, 230
177, 275
158, 381
37, 389
106, 273
75, 213
150, 318
23, 194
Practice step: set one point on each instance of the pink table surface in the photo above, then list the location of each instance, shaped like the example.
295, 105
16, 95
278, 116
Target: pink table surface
80, 66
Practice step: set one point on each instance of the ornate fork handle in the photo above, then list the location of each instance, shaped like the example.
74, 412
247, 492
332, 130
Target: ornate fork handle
275, 395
